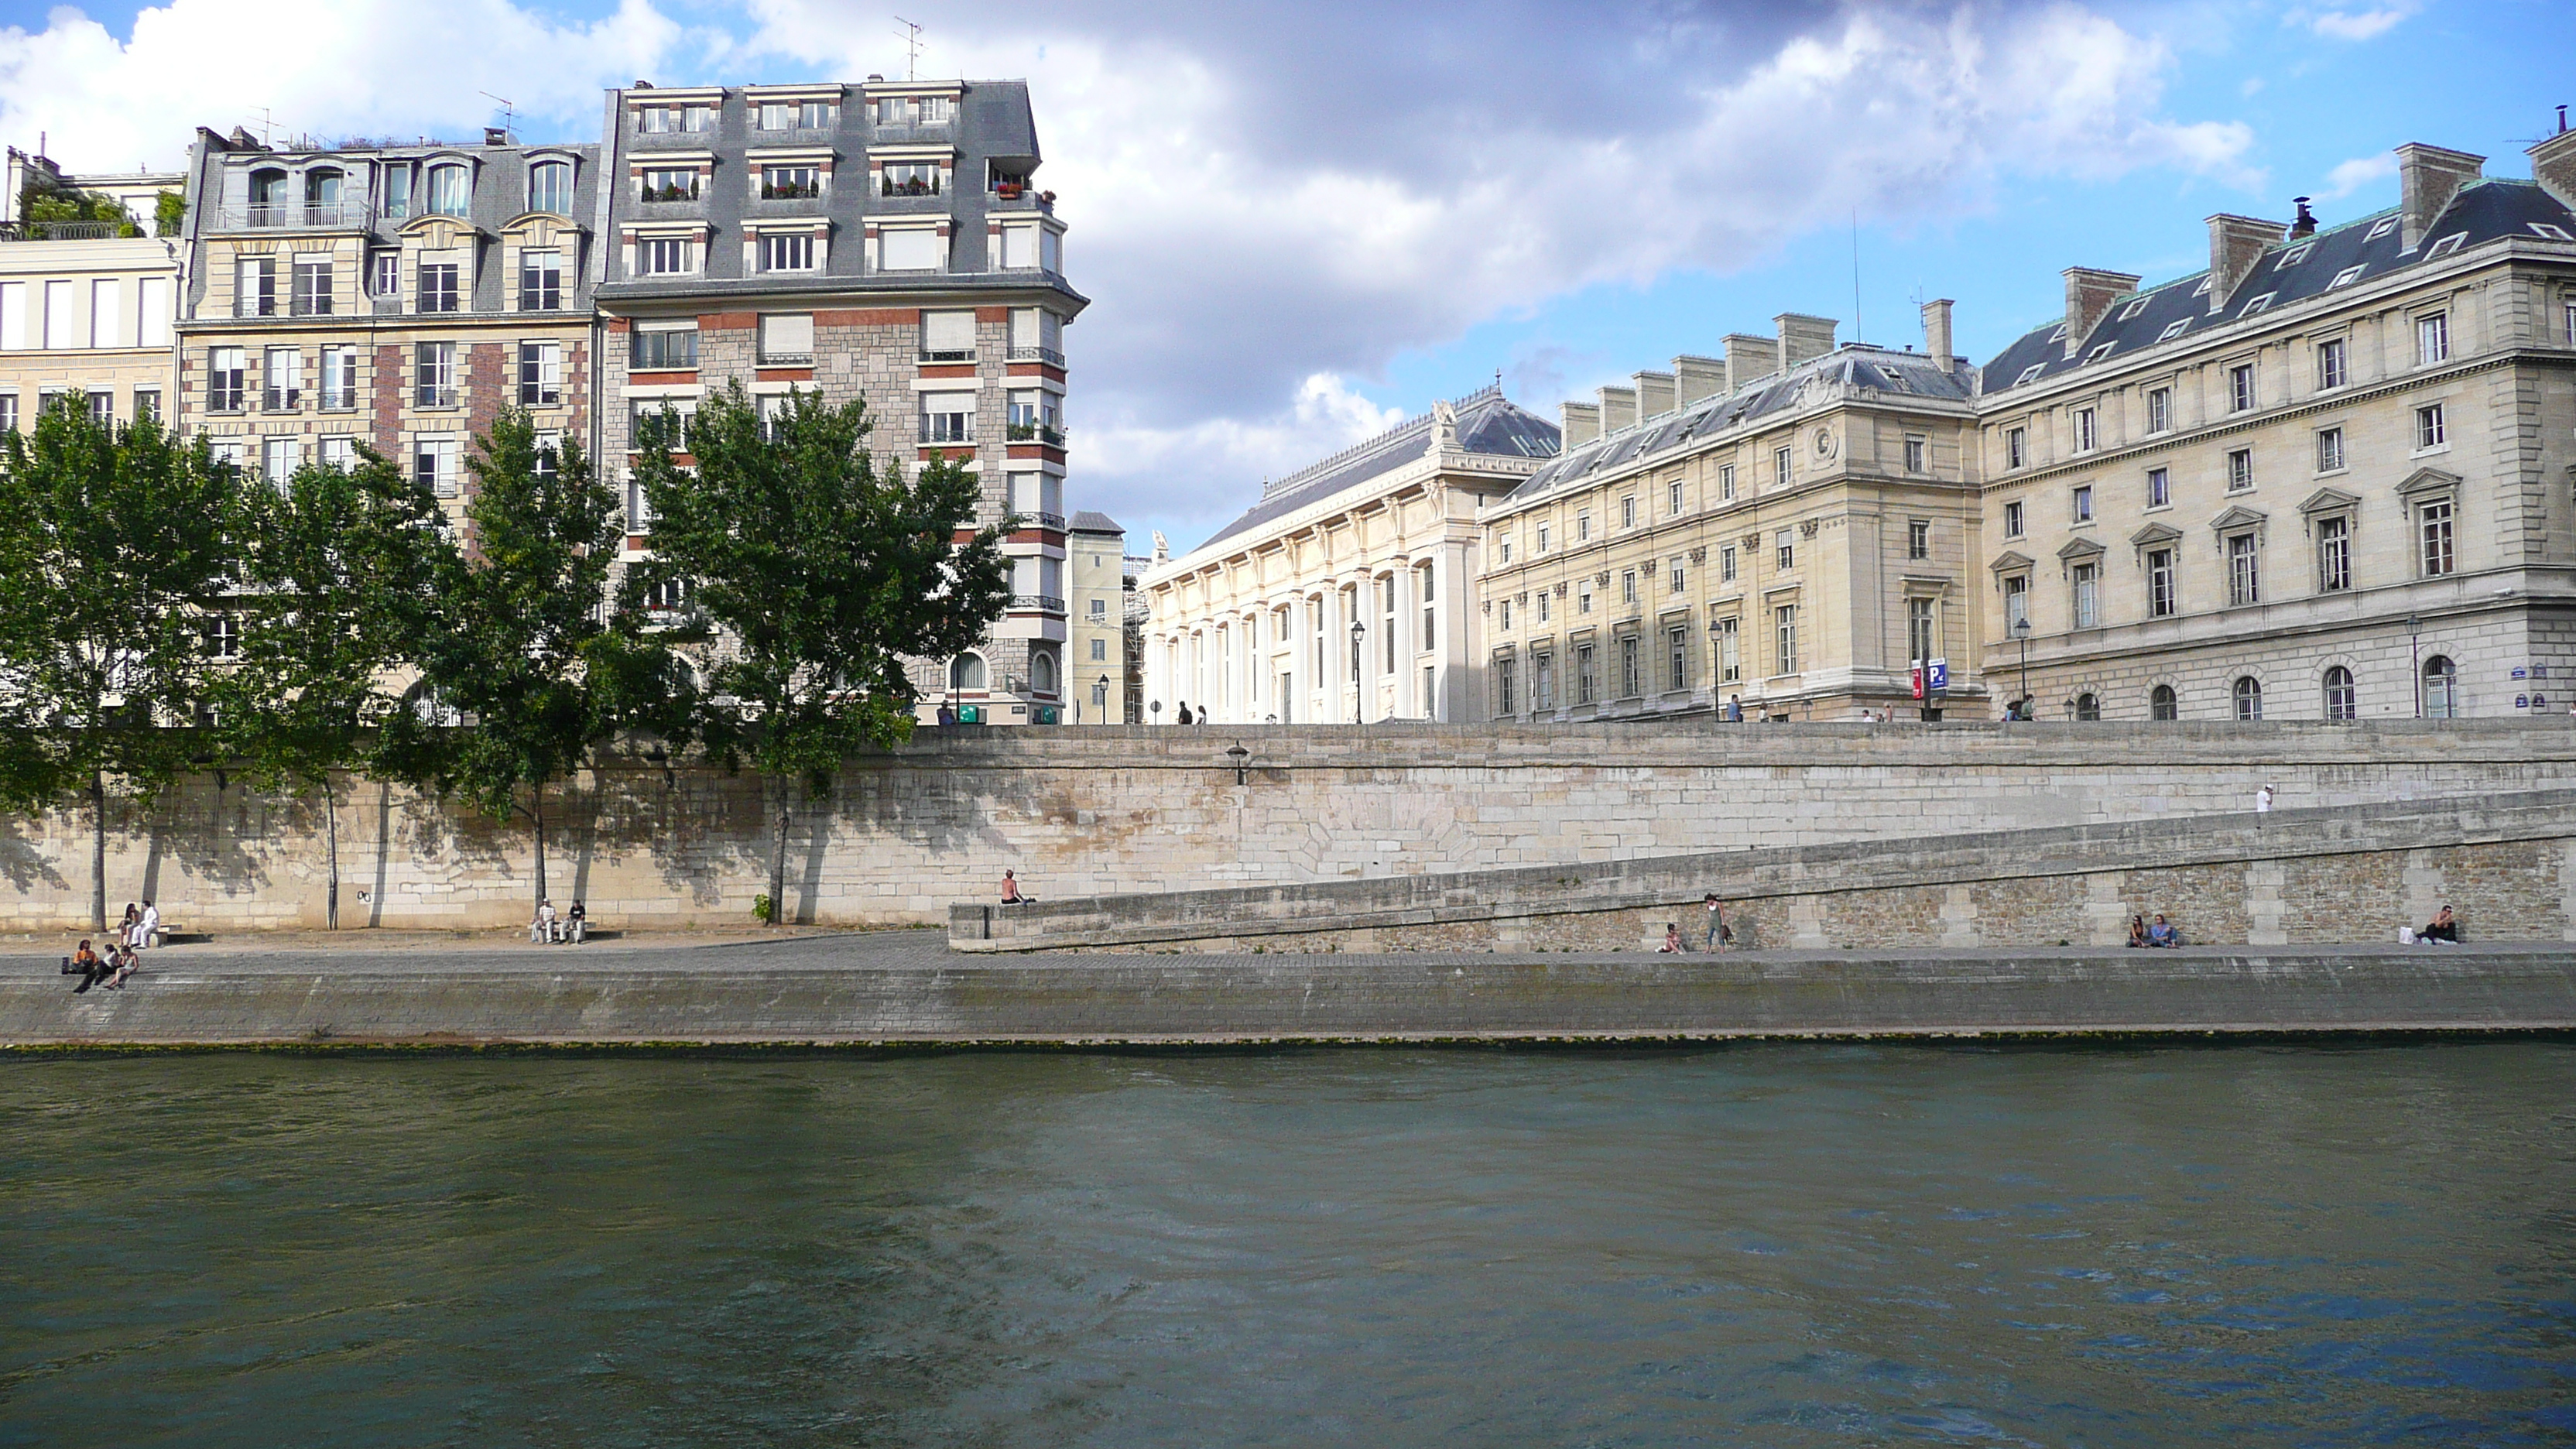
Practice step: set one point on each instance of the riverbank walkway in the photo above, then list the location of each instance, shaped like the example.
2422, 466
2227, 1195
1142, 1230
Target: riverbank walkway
898, 988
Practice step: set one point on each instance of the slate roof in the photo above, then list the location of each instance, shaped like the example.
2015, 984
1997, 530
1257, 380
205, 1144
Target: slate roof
2355, 252
1087, 521
1487, 422
1852, 365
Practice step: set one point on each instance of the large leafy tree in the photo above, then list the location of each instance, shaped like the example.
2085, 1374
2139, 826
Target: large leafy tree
340, 569
528, 671
809, 570
112, 563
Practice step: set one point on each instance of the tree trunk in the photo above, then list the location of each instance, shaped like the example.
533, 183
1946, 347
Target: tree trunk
537, 813
778, 859
98, 851
331, 838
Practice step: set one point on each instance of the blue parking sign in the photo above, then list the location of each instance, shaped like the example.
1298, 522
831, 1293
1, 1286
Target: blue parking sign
1938, 676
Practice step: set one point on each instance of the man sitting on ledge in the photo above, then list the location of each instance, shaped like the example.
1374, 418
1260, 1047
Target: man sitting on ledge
1011, 891
2162, 932
2444, 930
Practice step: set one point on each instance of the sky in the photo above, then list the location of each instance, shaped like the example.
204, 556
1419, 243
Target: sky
1299, 224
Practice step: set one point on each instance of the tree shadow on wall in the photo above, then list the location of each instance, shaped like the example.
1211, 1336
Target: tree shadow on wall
23, 862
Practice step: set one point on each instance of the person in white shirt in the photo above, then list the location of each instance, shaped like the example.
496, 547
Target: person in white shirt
2263, 801
542, 929
148, 926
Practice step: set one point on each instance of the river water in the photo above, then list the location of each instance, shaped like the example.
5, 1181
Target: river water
1778, 1245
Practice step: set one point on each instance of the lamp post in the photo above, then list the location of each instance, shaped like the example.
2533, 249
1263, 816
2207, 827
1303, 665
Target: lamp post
1358, 632
1104, 701
1716, 706
2415, 652
2021, 631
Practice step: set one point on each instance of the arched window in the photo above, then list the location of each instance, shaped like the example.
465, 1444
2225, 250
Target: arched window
2340, 705
550, 187
2441, 688
268, 204
322, 193
2249, 698
1042, 673
2088, 706
447, 190
966, 671
2161, 703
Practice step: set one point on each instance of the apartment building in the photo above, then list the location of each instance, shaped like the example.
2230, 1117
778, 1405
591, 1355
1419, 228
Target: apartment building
395, 296
1785, 528
1348, 592
1096, 574
884, 241
2326, 478
85, 307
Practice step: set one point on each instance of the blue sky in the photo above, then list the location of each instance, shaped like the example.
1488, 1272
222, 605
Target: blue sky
1301, 223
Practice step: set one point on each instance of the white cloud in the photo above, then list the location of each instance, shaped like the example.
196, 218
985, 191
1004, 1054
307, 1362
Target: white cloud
2350, 176
2356, 24
1185, 471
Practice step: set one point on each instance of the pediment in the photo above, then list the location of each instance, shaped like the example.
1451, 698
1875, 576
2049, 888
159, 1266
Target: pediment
2010, 562
2239, 516
2153, 534
2080, 548
541, 228
2330, 500
439, 232
2428, 480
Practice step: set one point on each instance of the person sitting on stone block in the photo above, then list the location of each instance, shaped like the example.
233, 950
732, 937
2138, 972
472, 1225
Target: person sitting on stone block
2138, 931
2162, 932
2444, 930
1011, 891
1672, 940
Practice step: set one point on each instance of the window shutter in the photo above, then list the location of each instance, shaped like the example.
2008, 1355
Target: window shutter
948, 331
787, 334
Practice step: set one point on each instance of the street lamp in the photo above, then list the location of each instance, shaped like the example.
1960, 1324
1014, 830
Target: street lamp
1358, 631
2021, 631
1104, 701
2415, 650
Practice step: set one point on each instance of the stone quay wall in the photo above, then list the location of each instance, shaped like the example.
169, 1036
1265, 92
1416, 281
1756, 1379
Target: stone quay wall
1135, 809
2331, 875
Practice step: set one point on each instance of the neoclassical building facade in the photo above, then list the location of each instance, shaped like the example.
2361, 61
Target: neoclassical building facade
1347, 593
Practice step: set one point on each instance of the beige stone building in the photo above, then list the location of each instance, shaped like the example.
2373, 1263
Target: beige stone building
1348, 592
2327, 478
1096, 574
1785, 528
89, 318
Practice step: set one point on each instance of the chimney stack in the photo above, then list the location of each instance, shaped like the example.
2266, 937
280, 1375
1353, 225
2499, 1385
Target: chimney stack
1697, 377
2089, 294
1578, 423
2305, 223
1654, 393
1802, 337
1749, 356
2553, 165
2427, 178
1936, 332
1618, 408
2236, 243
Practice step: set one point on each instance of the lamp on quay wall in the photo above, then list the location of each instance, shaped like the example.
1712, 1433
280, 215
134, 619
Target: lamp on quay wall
2021, 631
1240, 756
2415, 649
1358, 632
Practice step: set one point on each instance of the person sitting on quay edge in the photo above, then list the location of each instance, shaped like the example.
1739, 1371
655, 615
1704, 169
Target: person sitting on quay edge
1672, 940
2445, 929
127, 928
2138, 931
576, 923
1011, 891
121, 963
541, 930
2162, 932
84, 962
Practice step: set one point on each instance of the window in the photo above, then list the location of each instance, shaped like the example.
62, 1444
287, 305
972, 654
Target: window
1507, 614
254, 293
1919, 642
2160, 583
2433, 531
223, 636
282, 378
2016, 448
773, 115
147, 408
2081, 502
1628, 512
2551, 231
1679, 580
224, 382
1918, 538
277, 459
948, 417
1631, 682
911, 178
1784, 621
791, 183
2430, 431
2330, 450
661, 256
2012, 519
341, 453
2441, 688
434, 374
313, 286
397, 192
2244, 571
2160, 410
540, 281
2162, 705
1542, 605
2087, 578
386, 280
665, 349
433, 465
1542, 537
1586, 684
2259, 304
669, 183
1583, 598
2240, 470
2294, 256
437, 287
947, 336
549, 456
2432, 339
2330, 364
1730, 655
550, 187
2036, 368
2341, 706
2240, 388
2249, 698
2175, 328
2103, 351
1915, 448
814, 115
2086, 435
787, 337
2381, 228
912, 110
1673, 499
2159, 488
1582, 524
2016, 602
1430, 600
1628, 586
1503, 686
2088, 706
1677, 657
447, 191
102, 407
966, 671
1785, 545
1726, 471
540, 374
2345, 278
1543, 682
2334, 554
1726, 564
787, 252
1780, 467
152, 312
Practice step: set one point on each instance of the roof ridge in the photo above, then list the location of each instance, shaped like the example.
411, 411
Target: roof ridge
1490, 391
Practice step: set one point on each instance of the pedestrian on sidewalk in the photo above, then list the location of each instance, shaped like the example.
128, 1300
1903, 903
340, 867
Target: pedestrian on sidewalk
2263, 801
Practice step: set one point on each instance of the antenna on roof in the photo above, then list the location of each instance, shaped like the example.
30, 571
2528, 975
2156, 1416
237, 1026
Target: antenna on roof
910, 35
267, 123
509, 112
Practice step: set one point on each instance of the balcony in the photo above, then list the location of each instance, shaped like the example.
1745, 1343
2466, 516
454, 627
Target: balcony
1037, 354
673, 192
309, 215
66, 230
1039, 603
1031, 518
791, 191
946, 354
1020, 198
1037, 433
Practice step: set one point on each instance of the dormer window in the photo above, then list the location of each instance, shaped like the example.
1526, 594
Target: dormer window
397, 191
2446, 245
667, 120
793, 115
2294, 255
2552, 233
2381, 228
913, 110
2133, 309
2258, 304
2174, 329
268, 205
2344, 278
448, 191
2029, 372
550, 187
2098, 353
322, 198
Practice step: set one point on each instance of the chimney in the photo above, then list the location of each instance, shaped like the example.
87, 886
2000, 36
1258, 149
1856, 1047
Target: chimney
1802, 337
2427, 178
1748, 356
2236, 243
1577, 423
2553, 165
643, 85
1618, 408
495, 136
1936, 332
1697, 377
2305, 223
1654, 393
2089, 294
